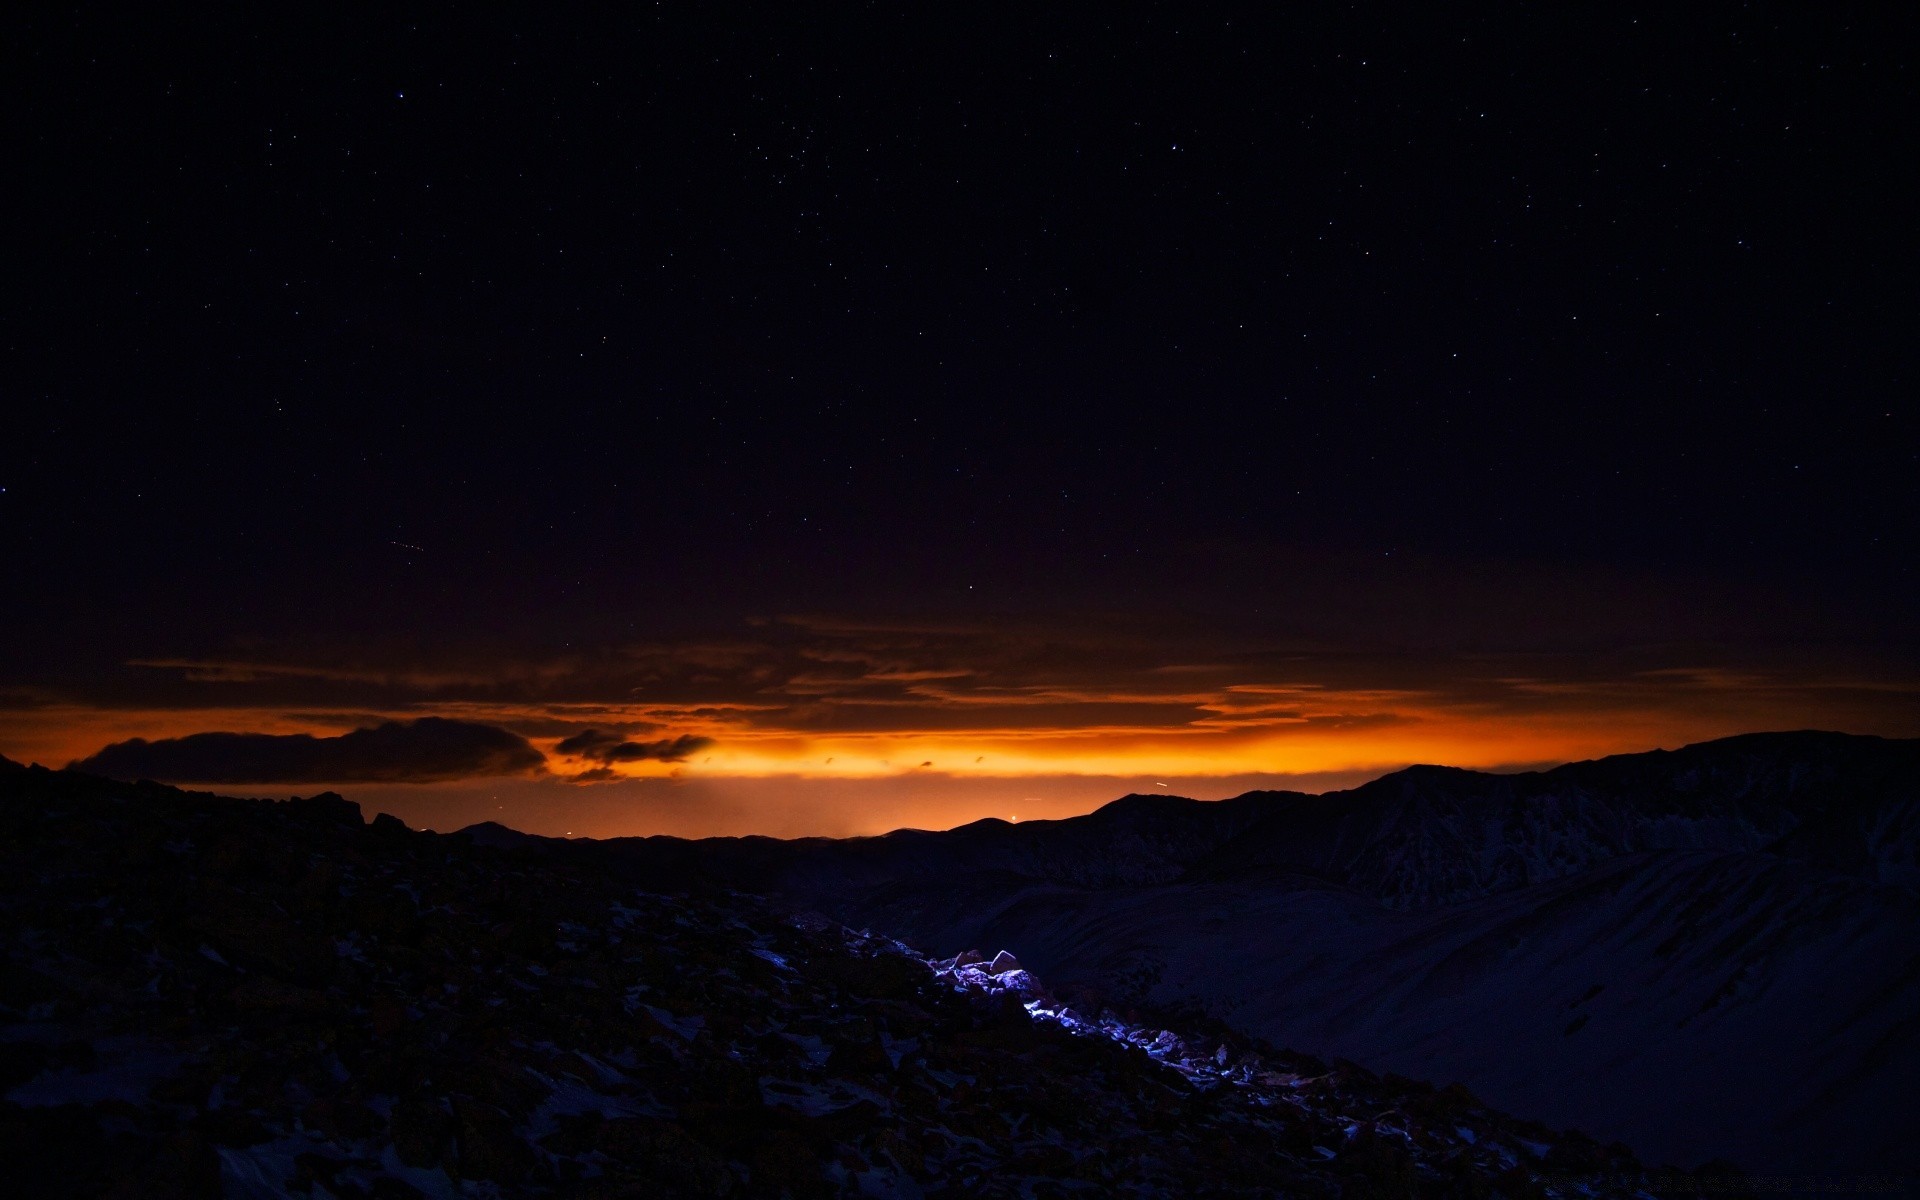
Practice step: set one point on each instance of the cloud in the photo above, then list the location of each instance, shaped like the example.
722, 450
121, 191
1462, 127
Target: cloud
231, 671
612, 748
597, 775
422, 751
1097, 695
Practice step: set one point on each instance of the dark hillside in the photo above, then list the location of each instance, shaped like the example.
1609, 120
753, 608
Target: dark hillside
204, 996
1721, 941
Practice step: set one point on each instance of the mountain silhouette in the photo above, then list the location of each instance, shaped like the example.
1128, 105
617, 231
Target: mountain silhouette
208, 996
1712, 952
1688, 957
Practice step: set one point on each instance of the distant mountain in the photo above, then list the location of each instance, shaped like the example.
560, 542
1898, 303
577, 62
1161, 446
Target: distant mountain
202, 996
1710, 952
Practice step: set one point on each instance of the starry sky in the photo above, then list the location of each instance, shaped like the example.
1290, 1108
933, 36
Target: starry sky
724, 419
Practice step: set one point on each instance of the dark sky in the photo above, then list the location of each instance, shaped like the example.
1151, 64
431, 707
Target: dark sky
459, 342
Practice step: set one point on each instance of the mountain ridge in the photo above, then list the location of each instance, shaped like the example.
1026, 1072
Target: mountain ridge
1721, 942
1735, 902
204, 995
1367, 836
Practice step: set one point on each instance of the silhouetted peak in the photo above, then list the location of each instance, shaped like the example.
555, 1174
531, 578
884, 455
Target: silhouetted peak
500, 837
1269, 795
1796, 743
1423, 778
327, 808
1428, 772
1790, 739
1144, 802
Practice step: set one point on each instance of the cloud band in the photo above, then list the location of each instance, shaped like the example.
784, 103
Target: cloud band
426, 750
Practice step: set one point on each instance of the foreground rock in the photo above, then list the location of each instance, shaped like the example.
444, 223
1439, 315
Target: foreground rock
203, 996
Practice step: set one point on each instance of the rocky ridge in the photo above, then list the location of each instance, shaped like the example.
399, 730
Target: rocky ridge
1718, 941
208, 996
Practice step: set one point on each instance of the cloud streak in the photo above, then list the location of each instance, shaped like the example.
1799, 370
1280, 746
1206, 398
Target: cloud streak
981, 704
427, 750
612, 748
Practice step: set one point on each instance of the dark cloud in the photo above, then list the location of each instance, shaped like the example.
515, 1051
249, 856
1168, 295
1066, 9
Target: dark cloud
613, 748
422, 751
589, 742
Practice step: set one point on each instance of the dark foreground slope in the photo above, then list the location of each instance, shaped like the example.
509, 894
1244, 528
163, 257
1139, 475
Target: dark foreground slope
1709, 953
202, 996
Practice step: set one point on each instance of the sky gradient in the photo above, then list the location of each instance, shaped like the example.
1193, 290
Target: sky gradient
720, 423
809, 724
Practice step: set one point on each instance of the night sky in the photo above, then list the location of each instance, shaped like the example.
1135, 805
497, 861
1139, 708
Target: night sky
822, 421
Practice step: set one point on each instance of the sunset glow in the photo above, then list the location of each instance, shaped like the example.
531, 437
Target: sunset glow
931, 726
1309, 600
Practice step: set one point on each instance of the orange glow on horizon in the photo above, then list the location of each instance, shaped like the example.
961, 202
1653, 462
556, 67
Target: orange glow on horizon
1018, 753
56, 735
883, 727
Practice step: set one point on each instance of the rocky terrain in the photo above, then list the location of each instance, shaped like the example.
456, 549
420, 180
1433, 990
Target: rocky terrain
207, 996
1707, 953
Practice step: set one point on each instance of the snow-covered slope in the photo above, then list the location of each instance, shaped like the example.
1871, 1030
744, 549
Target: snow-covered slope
1713, 952
1433, 835
1693, 1004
